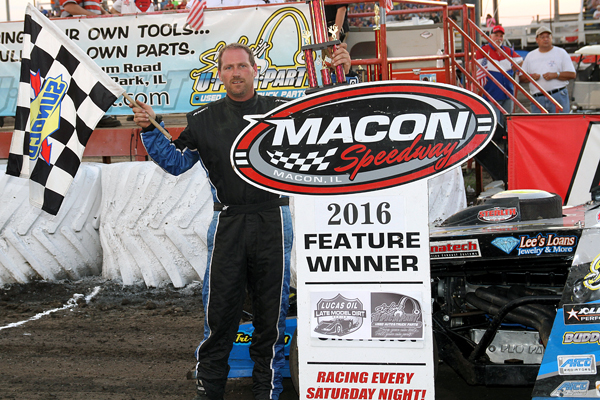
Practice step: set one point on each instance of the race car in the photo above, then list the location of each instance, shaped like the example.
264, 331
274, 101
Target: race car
514, 279
515, 292
337, 326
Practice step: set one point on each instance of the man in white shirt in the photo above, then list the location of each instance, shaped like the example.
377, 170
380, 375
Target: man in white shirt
132, 6
552, 68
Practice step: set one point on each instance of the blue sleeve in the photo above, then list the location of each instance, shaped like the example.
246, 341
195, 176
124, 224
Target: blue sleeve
164, 152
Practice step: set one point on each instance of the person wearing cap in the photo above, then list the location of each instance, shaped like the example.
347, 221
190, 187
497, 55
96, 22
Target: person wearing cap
552, 68
490, 87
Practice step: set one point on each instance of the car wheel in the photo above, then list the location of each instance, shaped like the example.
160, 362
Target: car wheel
436, 358
535, 204
294, 365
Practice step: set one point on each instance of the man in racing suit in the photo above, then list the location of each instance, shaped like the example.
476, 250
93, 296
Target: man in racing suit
250, 236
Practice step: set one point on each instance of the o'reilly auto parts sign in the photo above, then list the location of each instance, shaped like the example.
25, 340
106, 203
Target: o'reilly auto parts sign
362, 137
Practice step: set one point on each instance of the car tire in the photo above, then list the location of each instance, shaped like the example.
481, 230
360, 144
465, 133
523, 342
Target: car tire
535, 204
436, 358
294, 364
541, 208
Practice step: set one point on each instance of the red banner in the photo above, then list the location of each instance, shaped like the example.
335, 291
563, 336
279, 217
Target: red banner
548, 152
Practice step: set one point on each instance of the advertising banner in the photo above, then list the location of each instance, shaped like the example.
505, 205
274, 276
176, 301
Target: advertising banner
557, 153
160, 61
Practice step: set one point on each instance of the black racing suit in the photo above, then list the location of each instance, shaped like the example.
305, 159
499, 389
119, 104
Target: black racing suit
247, 249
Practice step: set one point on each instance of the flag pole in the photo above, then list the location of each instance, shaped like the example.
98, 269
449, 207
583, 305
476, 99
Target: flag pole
152, 121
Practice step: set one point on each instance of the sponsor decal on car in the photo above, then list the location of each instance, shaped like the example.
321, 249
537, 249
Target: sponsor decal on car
455, 249
586, 337
581, 364
244, 337
364, 137
571, 389
592, 280
575, 314
498, 214
536, 245
499, 228
506, 244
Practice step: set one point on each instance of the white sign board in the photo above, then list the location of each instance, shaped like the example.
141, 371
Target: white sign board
364, 293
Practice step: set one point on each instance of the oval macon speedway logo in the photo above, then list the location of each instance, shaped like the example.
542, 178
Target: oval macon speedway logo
363, 137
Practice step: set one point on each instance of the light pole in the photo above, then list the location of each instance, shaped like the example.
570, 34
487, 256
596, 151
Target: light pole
496, 13
8, 10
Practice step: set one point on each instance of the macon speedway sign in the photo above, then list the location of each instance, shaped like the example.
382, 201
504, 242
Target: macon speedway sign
363, 137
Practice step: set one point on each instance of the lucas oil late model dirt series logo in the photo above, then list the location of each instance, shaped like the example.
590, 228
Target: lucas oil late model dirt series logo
339, 316
363, 137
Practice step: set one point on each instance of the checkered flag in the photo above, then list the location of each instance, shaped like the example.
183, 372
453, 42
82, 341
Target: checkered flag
62, 96
295, 160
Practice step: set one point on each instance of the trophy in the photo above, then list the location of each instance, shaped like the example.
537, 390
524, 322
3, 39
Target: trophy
322, 44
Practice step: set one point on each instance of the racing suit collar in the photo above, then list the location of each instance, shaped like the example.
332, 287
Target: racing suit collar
242, 105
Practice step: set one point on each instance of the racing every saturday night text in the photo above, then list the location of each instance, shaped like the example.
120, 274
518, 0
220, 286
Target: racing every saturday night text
390, 378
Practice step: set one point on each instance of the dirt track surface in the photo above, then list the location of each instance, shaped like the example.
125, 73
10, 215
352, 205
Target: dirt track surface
126, 343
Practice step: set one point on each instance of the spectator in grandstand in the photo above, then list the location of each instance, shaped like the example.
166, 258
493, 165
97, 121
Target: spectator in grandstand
251, 2
44, 11
490, 22
455, 14
336, 15
490, 87
169, 6
182, 4
552, 68
230, 3
55, 8
131, 6
435, 17
70, 8
592, 11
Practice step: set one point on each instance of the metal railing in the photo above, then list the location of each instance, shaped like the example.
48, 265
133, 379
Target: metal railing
455, 59
380, 67
514, 64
